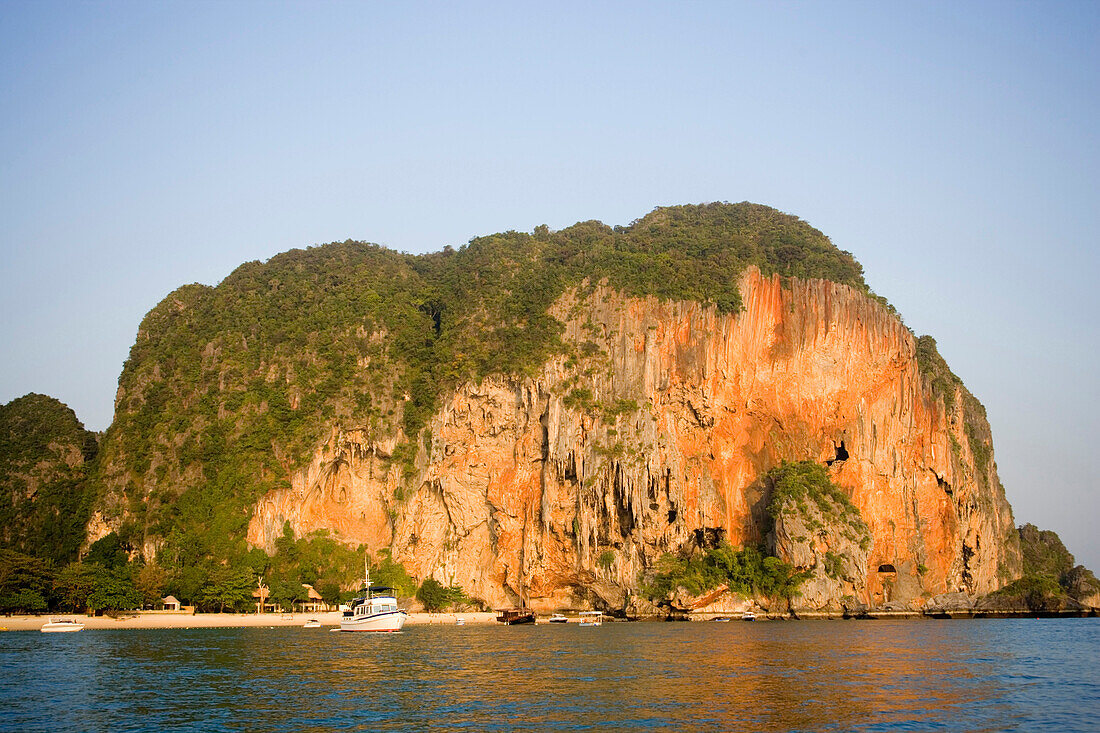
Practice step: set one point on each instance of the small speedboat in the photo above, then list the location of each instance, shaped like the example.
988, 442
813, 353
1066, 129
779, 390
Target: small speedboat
558, 618
748, 616
459, 621
312, 624
62, 624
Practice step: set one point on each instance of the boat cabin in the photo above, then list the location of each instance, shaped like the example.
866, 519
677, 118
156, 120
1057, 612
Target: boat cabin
591, 618
371, 603
512, 616
375, 610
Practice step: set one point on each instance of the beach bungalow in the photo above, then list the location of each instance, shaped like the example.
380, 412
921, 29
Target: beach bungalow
314, 602
262, 595
171, 603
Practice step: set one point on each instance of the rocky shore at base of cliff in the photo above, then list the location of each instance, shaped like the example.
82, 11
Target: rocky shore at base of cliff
685, 607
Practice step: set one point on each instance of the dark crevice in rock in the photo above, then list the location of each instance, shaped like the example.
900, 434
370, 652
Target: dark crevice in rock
968, 553
708, 538
622, 504
840, 454
571, 468
704, 421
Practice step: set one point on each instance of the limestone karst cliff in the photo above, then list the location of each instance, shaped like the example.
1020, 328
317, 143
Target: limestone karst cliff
562, 487
538, 418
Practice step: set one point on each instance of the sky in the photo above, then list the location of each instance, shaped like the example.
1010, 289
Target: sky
951, 147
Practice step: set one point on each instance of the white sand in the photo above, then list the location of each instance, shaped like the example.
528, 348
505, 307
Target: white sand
224, 620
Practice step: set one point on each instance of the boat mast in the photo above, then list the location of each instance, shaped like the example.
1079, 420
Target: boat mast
366, 575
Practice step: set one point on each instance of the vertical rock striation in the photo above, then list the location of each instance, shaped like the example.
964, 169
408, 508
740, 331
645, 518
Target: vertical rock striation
561, 488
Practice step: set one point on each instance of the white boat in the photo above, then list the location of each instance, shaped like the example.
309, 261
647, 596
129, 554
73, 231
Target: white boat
558, 618
312, 624
748, 616
591, 618
460, 621
373, 612
62, 624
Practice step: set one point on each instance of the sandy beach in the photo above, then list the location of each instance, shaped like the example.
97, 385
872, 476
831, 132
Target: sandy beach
225, 620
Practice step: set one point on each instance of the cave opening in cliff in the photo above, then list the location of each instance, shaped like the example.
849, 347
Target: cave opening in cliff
887, 568
840, 454
571, 468
622, 505
708, 538
672, 514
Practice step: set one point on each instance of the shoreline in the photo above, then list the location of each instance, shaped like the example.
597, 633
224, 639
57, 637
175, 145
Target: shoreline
161, 620
331, 619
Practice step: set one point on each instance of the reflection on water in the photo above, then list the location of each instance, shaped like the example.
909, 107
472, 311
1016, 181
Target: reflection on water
774, 676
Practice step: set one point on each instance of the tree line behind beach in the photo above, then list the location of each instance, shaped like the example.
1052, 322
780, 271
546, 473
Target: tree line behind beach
110, 577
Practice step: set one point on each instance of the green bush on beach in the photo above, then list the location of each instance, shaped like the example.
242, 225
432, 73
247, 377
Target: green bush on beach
437, 597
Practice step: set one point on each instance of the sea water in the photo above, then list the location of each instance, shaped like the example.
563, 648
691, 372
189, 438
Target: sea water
883, 675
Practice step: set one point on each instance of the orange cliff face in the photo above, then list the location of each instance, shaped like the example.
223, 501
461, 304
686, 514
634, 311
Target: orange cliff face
561, 489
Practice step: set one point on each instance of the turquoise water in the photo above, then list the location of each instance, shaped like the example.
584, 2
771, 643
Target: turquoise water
775, 676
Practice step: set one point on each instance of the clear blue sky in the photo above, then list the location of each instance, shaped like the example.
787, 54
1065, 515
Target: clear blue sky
953, 148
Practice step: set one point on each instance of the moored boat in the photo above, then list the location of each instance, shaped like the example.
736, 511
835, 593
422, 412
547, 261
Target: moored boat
748, 616
558, 618
62, 624
514, 616
591, 618
372, 612
312, 624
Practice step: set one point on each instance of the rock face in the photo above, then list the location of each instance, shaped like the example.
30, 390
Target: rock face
825, 536
561, 488
1082, 586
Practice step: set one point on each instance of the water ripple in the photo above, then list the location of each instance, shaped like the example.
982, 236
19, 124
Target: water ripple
807, 676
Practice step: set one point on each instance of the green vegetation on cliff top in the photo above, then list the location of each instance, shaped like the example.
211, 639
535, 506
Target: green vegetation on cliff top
229, 388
